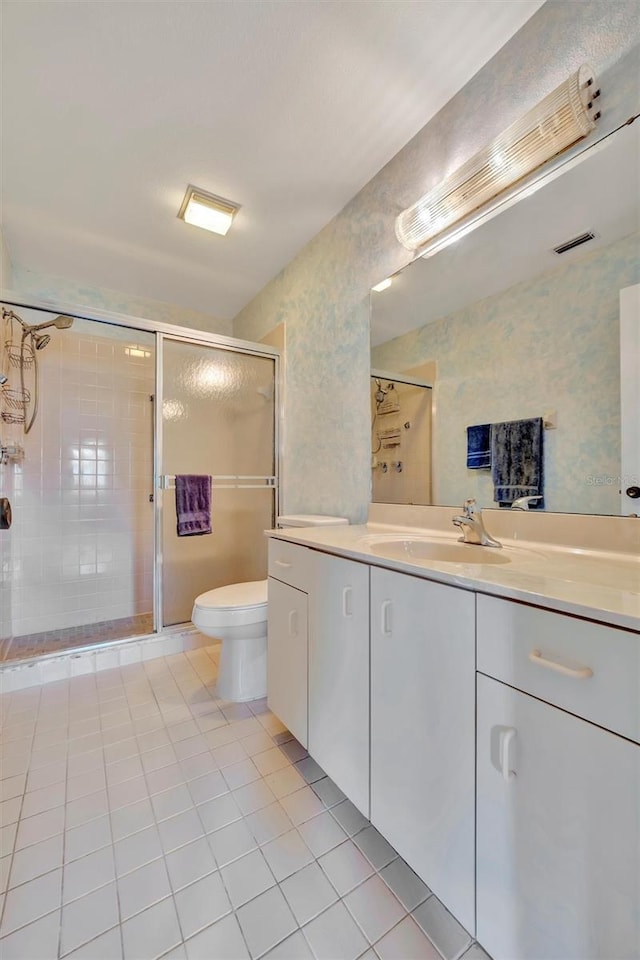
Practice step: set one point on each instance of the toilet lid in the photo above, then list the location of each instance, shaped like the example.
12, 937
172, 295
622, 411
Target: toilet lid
247, 595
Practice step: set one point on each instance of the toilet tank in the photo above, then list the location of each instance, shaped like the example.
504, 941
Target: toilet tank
309, 520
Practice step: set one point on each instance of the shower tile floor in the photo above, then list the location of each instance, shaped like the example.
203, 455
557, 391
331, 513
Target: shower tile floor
54, 641
144, 818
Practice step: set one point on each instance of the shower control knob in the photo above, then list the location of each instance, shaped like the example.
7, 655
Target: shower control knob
633, 492
5, 513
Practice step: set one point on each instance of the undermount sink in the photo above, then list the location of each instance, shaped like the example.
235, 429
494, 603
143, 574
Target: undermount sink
415, 549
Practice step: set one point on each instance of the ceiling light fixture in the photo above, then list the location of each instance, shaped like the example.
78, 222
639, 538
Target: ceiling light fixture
202, 209
563, 118
383, 285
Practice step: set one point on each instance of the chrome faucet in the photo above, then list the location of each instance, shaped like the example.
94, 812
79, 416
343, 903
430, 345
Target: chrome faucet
472, 527
524, 503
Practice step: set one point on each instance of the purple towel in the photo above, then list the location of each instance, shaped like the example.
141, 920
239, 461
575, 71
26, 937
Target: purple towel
193, 504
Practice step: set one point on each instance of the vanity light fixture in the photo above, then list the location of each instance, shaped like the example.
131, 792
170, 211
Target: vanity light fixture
383, 285
563, 118
202, 209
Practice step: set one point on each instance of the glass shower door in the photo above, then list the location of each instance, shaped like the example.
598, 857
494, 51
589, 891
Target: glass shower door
218, 419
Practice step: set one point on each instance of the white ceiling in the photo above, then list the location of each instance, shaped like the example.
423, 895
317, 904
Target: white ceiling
288, 108
600, 195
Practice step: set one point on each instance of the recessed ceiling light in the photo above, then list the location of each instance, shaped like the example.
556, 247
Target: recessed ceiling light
202, 209
383, 285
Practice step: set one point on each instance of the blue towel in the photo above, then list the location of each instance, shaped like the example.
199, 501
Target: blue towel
478, 447
517, 461
193, 504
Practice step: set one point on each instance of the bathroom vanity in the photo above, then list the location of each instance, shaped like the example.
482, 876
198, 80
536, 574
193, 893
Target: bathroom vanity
484, 715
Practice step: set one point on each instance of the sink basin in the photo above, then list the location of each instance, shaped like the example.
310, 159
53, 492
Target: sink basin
414, 549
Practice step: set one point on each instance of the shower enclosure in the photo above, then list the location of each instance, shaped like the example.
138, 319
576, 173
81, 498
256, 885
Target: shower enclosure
401, 454
91, 553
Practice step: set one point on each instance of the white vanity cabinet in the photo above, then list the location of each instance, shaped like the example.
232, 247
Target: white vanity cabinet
423, 730
558, 833
558, 796
492, 742
287, 657
287, 636
339, 674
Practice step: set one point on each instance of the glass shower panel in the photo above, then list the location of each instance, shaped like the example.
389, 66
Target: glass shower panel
218, 419
77, 562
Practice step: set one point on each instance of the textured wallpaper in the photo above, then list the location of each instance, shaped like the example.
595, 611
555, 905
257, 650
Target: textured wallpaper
323, 293
551, 343
44, 287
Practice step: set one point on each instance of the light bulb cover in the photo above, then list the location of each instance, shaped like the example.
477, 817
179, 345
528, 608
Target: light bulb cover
206, 210
560, 120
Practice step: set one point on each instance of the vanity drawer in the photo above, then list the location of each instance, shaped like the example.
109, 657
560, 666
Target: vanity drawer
587, 668
290, 563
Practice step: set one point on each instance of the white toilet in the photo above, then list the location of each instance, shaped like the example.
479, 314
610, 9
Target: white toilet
237, 615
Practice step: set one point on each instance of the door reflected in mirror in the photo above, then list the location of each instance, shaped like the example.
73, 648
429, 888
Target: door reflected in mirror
512, 330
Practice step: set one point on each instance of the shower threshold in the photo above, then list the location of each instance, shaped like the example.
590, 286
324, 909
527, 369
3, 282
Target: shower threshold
91, 634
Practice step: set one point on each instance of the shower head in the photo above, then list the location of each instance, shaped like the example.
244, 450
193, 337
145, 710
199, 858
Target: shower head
40, 340
61, 323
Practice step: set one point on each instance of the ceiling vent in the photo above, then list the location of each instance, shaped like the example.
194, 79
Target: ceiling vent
576, 242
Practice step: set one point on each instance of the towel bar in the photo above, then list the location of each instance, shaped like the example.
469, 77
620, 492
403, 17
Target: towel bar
229, 482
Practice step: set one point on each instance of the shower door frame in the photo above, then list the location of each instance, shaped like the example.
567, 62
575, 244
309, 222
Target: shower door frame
232, 346
162, 331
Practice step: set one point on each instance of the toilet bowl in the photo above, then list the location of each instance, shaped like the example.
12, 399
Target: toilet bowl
237, 615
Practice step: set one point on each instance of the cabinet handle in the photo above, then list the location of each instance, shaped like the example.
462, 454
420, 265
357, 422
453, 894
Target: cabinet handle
578, 673
281, 563
293, 623
385, 618
347, 594
506, 740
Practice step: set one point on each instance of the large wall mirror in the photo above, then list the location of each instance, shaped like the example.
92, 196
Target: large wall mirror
503, 328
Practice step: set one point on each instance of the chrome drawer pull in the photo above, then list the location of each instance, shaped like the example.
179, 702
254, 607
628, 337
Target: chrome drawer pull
281, 563
385, 618
347, 594
578, 673
506, 742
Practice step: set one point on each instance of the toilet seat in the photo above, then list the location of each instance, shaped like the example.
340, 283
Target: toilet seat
238, 604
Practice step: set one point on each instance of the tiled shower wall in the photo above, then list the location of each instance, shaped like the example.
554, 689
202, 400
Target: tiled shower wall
82, 538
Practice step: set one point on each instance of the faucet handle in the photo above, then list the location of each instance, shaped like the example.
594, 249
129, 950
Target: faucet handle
470, 507
524, 503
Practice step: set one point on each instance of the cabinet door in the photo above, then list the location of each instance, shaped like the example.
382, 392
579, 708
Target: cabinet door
423, 730
339, 674
558, 833
287, 644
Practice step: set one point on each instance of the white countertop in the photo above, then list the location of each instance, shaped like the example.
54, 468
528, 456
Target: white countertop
595, 584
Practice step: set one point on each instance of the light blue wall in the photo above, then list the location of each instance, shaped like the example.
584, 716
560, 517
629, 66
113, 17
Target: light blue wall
45, 287
323, 293
551, 343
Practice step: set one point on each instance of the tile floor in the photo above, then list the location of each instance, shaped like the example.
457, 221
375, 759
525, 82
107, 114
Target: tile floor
54, 641
143, 818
